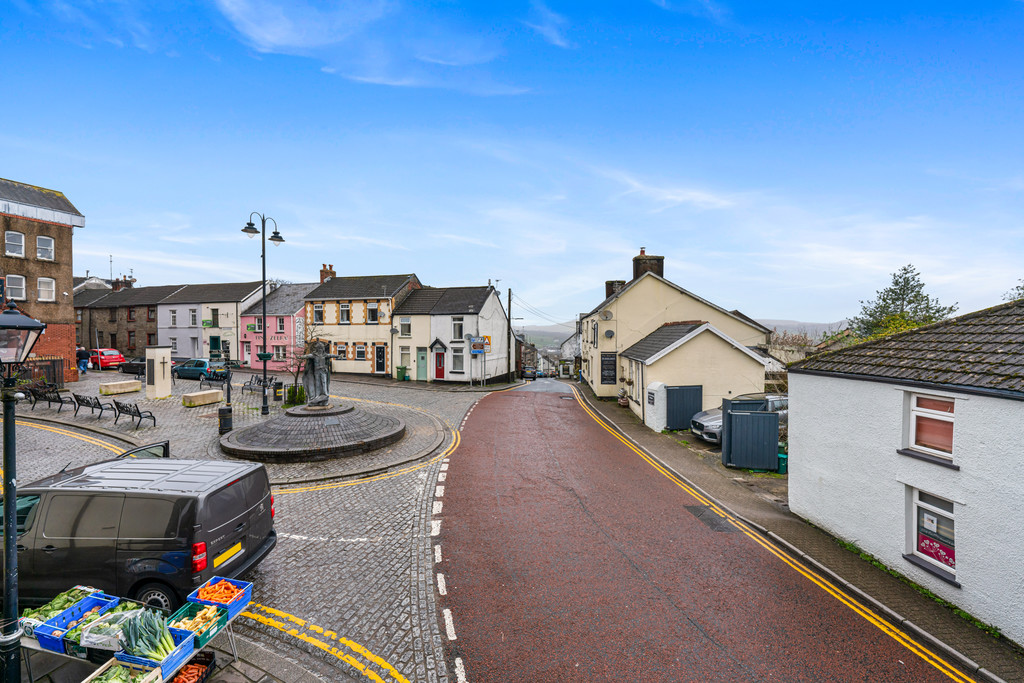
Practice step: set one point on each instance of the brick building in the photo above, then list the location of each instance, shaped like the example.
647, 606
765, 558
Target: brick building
124, 319
37, 227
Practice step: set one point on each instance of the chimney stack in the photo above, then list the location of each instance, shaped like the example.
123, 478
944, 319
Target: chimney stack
645, 263
327, 273
613, 286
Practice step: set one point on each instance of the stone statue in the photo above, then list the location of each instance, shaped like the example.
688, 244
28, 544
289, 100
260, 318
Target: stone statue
316, 376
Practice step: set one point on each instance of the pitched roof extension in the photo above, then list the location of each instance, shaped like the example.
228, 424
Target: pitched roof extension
87, 297
213, 293
445, 301
36, 196
135, 296
285, 300
360, 287
982, 351
671, 336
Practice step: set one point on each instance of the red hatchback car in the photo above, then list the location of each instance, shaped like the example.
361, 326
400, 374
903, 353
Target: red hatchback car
102, 359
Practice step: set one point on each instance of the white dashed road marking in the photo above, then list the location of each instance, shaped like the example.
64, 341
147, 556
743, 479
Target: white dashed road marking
438, 492
449, 625
435, 527
437, 553
460, 671
442, 585
441, 476
437, 507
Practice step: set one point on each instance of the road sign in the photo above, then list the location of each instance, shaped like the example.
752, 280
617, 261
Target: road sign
487, 343
477, 345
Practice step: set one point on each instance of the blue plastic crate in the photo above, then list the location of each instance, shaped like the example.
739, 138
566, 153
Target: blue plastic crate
234, 607
50, 635
183, 641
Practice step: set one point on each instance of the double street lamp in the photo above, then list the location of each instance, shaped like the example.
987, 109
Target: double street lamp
276, 239
18, 334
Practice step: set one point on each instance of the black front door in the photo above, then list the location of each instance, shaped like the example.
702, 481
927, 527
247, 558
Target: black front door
380, 353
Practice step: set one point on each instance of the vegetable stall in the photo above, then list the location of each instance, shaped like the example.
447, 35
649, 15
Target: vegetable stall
134, 642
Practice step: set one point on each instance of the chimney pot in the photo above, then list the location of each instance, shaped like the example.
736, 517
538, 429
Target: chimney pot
642, 250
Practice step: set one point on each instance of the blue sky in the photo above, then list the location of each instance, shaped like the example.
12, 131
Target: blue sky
785, 158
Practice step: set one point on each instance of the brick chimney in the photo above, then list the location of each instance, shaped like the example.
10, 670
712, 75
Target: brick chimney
327, 273
124, 282
612, 286
645, 263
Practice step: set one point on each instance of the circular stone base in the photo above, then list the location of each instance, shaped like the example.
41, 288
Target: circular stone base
309, 433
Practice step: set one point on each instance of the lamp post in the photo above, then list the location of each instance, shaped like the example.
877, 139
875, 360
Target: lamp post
276, 239
18, 334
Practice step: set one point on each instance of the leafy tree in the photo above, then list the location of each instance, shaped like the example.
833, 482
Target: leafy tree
901, 306
1015, 293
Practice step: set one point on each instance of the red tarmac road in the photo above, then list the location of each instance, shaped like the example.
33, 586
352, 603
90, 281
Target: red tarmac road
568, 557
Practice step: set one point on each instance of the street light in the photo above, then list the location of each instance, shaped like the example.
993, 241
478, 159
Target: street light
251, 231
18, 334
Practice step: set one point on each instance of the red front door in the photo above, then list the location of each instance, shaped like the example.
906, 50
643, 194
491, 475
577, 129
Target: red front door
439, 366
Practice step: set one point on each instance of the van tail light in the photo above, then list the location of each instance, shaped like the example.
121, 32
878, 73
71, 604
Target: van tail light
272, 506
198, 557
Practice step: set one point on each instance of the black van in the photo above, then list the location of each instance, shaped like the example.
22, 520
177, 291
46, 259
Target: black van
143, 527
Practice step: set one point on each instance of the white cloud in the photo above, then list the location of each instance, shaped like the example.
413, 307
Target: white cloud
666, 197
299, 25
549, 25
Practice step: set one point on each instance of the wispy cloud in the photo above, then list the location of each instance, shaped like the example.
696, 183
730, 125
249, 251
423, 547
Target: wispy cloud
549, 25
701, 8
298, 25
666, 197
465, 239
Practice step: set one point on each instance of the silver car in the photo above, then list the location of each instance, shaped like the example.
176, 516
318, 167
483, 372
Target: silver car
707, 425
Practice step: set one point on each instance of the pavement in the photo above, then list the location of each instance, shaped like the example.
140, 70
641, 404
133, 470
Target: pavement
760, 499
374, 527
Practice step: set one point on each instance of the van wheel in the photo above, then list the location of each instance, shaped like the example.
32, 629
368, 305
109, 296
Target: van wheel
157, 595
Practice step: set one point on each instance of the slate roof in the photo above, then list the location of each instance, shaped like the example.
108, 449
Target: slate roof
87, 297
983, 351
285, 300
629, 285
359, 287
134, 296
36, 196
659, 340
444, 301
213, 293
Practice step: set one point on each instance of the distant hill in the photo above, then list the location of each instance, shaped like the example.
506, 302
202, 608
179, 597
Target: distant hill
549, 335
812, 330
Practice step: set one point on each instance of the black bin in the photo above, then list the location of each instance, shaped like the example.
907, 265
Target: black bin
224, 420
278, 391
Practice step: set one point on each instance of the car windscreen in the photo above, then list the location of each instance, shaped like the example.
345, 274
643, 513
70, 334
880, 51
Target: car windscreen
111, 352
25, 507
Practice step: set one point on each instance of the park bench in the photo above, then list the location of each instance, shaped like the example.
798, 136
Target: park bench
132, 410
218, 380
36, 390
92, 403
52, 396
255, 383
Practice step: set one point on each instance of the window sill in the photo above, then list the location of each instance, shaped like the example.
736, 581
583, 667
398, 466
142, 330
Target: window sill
14, 255
946, 576
456, 372
928, 457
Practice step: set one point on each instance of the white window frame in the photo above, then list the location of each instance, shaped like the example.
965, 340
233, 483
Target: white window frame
405, 356
372, 314
259, 324
41, 250
174, 344
174, 317
458, 323
936, 511
458, 359
405, 326
280, 351
916, 412
192, 317
344, 314
15, 247
16, 291
360, 351
42, 283
280, 325
318, 314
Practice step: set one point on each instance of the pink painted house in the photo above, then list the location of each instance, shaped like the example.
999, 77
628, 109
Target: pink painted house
286, 320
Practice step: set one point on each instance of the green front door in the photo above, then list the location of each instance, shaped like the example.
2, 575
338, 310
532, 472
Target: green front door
421, 364
214, 347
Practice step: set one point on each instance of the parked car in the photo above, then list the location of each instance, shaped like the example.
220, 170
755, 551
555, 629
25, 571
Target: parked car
707, 425
198, 368
102, 359
143, 526
529, 372
134, 366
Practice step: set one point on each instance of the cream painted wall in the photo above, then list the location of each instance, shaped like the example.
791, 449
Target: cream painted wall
356, 332
706, 360
647, 305
420, 337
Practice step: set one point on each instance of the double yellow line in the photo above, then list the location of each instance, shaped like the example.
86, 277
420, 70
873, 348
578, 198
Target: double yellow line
872, 618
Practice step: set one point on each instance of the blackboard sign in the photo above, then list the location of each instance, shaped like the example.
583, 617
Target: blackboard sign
607, 368
650, 398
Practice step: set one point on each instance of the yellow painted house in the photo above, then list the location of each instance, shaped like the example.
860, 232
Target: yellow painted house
353, 314
720, 350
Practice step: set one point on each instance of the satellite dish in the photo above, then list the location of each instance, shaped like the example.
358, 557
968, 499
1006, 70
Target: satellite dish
606, 315
394, 330
609, 333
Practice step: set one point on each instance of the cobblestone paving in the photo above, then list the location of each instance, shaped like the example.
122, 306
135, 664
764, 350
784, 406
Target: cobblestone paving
353, 568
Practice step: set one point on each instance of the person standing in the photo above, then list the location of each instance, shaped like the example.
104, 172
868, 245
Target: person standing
82, 356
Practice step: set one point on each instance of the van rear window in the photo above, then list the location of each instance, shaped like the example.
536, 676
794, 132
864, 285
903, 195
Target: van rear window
226, 504
148, 518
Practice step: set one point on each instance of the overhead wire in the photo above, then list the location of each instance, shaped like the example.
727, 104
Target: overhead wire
539, 313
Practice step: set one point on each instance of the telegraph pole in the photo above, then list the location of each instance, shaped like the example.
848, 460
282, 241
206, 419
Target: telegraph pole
511, 346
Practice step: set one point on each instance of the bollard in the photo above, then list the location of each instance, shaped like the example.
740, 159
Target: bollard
224, 420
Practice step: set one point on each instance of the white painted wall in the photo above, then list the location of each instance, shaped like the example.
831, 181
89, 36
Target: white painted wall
656, 416
846, 476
